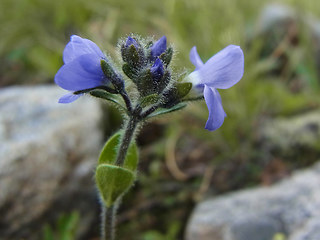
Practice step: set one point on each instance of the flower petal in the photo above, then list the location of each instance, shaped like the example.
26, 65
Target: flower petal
82, 73
216, 112
224, 69
131, 41
195, 58
79, 46
159, 47
69, 97
157, 69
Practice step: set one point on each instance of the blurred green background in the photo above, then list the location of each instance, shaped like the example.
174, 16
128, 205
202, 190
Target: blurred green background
181, 163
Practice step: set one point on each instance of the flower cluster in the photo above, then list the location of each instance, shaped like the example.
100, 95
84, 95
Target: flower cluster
147, 64
144, 87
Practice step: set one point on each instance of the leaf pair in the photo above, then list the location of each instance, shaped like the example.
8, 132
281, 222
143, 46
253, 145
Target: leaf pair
112, 180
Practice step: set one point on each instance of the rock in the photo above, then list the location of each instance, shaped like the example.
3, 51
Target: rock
292, 135
291, 207
310, 231
48, 152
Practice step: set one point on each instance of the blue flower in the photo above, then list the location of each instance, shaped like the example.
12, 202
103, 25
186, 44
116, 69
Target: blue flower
221, 71
158, 47
81, 69
131, 41
157, 70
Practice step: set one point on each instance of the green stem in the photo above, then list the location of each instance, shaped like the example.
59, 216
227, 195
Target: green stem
126, 140
108, 219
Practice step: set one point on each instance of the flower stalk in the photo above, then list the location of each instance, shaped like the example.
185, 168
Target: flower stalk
126, 139
108, 222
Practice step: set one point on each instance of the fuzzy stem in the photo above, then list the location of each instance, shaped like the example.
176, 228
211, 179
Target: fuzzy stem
126, 140
127, 100
108, 222
149, 111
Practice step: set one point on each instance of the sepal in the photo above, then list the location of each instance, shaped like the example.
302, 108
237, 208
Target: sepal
166, 57
150, 99
183, 89
145, 84
129, 71
174, 95
114, 78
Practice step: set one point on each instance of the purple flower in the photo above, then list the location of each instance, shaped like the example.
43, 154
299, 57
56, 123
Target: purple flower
157, 69
81, 69
158, 47
221, 71
130, 41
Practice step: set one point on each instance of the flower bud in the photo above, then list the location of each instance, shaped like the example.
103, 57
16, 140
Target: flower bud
132, 53
131, 41
158, 47
157, 70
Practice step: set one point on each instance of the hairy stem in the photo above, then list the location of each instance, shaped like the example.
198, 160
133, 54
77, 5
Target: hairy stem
126, 140
149, 111
127, 100
108, 222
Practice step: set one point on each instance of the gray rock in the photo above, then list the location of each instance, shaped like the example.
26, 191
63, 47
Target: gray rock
288, 134
291, 207
310, 231
47, 156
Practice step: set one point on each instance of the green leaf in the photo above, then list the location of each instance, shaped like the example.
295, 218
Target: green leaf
113, 182
48, 233
168, 110
107, 96
132, 157
108, 154
109, 151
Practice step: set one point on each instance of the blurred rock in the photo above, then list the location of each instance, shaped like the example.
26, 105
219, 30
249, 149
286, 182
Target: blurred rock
291, 207
289, 136
47, 156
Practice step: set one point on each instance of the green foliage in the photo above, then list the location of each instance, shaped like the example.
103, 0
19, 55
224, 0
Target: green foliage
171, 233
64, 229
108, 96
168, 110
109, 153
113, 182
